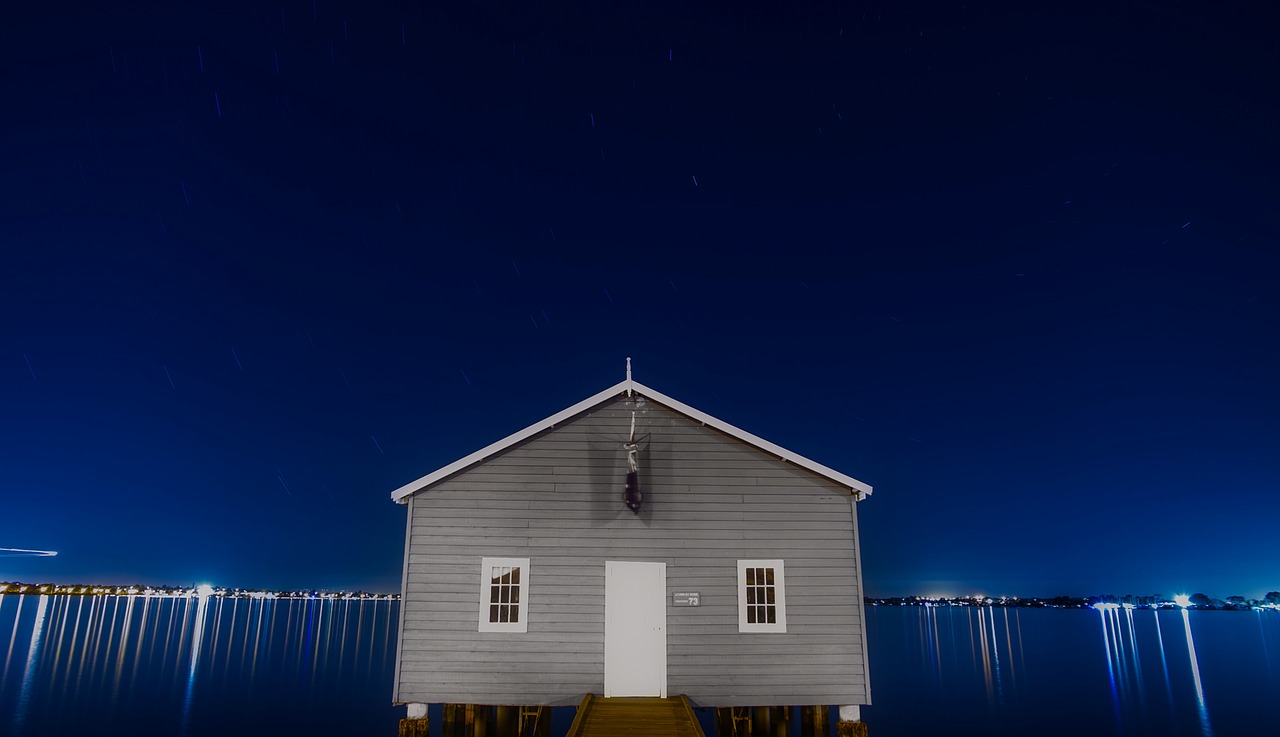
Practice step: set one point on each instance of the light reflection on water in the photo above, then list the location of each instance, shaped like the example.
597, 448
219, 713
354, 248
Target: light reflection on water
177, 665
1113, 671
165, 666
1123, 658
1195, 672
202, 605
25, 696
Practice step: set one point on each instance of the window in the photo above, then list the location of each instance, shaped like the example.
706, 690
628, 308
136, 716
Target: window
504, 585
762, 603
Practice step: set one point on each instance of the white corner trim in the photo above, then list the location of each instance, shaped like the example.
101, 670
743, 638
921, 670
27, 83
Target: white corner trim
404, 598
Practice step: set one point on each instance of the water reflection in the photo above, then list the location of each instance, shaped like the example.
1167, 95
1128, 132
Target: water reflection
1111, 659
1115, 671
1124, 661
995, 643
1164, 662
197, 639
24, 699
1195, 672
178, 660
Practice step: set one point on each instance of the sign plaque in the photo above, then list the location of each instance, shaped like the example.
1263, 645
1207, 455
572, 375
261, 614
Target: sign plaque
685, 598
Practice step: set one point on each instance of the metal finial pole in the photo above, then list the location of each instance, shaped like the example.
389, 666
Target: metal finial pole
628, 376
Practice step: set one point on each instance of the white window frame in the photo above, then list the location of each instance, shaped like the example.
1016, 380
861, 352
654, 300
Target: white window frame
779, 598
522, 619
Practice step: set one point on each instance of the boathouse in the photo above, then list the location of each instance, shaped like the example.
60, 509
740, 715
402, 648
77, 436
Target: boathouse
633, 546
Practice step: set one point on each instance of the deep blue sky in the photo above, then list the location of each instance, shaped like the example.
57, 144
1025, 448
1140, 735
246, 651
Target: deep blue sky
262, 263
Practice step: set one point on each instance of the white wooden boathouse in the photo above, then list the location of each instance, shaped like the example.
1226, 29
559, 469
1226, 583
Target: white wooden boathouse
632, 546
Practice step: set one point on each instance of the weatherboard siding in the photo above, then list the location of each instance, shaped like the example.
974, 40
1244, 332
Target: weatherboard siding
709, 500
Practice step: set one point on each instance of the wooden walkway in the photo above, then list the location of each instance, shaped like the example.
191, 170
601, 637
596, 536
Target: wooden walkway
635, 717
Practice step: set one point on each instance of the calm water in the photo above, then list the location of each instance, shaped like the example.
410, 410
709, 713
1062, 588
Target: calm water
177, 666
1073, 671
136, 666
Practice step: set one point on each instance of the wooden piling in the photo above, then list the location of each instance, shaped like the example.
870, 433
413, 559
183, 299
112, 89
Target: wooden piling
479, 720
505, 721
761, 721
780, 716
535, 721
451, 724
727, 718
851, 729
420, 727
724, 722
815, 721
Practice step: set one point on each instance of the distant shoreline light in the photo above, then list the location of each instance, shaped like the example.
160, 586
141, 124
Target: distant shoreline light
184, 592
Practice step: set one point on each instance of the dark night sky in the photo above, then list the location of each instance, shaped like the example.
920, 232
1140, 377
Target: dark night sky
262, 263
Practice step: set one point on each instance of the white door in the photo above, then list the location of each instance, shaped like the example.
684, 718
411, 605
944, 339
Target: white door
635, 629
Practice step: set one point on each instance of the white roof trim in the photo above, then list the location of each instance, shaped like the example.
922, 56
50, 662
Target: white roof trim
627, 386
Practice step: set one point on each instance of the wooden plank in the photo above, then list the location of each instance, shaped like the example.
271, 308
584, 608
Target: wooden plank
839, 540
736, 548
805, 697
482, 660
755, 670
541, 697
434, 500
432, 647
583, 629
751, 681
845, 644
716, 634
623, 532
423, 562
495, 484
426, 675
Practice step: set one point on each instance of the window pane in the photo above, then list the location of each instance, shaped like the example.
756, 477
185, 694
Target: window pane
769, 595
751, 577
751, 594
502, 577
772, 615
768, 576
751, 615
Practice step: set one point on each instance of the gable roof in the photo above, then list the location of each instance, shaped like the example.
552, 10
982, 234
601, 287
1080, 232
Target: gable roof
856, 487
